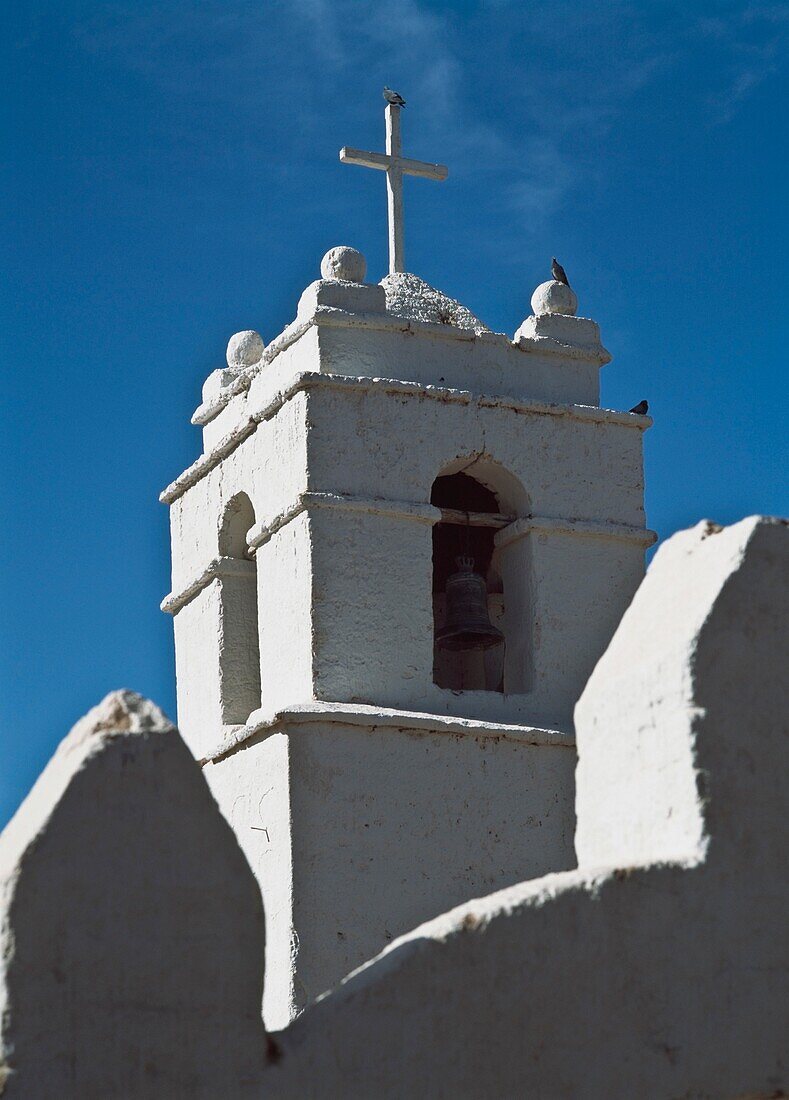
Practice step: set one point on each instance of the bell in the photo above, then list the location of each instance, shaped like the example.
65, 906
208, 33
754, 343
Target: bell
467, 624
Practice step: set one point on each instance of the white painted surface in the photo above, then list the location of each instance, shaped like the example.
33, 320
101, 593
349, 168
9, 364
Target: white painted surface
131, 923
244, 349
357, 832
577, 332
554, 297
679, 720
217, 381
344, 262
359, 629
659, 968
347, 296
396, 166
337, 438
439, 350
253, 789
132, 929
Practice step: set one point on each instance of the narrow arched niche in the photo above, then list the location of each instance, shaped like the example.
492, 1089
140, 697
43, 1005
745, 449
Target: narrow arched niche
239, 644
474, 509
238, 518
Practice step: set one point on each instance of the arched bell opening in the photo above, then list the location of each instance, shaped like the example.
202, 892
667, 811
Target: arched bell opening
468, 604
239, 644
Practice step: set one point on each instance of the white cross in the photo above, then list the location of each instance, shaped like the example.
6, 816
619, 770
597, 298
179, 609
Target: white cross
395, 166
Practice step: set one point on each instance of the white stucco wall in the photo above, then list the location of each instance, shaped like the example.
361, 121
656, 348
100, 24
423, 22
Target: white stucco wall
358, 831
253, 790
359, 455
285, 621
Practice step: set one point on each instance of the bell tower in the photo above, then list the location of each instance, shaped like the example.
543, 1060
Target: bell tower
403, 549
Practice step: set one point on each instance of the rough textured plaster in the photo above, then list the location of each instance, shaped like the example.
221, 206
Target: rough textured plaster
264, 402
360, 714
387, 826
349, 442
253, 790
410, 297
417, 310
337, 438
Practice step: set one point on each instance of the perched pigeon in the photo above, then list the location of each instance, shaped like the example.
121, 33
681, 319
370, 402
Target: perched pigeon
558, 272
393, 97
642, 408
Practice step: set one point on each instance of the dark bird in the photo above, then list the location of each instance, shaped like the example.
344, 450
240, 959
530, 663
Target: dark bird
558, 272
642, 408
393, 97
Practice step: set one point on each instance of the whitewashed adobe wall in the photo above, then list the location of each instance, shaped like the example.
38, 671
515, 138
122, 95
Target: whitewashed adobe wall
658, 968
132, 927
356, 768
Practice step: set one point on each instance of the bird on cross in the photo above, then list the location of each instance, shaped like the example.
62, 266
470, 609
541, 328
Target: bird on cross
393, 97
396, 166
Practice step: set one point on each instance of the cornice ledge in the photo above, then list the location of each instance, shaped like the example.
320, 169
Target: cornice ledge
333, 317
395, 509
206, 462
578, 528
548, 345
209, 410
362, 714
307, 379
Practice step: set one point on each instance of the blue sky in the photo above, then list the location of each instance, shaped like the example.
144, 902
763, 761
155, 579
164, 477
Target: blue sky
171, 176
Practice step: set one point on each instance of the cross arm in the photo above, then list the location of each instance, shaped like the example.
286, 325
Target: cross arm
384, 162
423, 168
368, 160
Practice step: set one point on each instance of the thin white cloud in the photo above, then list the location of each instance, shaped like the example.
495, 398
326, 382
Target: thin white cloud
749, 40
296, 59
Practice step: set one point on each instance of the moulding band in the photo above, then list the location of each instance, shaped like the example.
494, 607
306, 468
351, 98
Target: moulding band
578, 528
360, 714
334, 317
446, 395
208, 410
396, 509
216, 569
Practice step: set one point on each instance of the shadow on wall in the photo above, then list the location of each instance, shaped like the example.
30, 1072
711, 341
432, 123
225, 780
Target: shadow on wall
483, 633
239, 641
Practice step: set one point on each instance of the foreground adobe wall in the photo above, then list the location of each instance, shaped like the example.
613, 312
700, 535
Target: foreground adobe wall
132, 925
660, 972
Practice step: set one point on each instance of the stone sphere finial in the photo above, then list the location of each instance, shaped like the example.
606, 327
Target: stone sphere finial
554, 297
244, 349
345, 263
